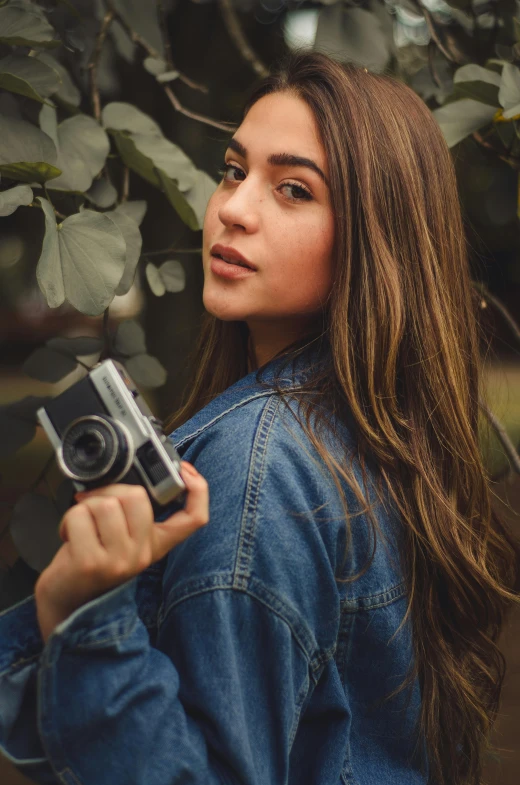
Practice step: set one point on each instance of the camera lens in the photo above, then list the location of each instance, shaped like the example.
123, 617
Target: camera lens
94, 448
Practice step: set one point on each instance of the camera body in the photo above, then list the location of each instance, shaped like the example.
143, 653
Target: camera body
104, 432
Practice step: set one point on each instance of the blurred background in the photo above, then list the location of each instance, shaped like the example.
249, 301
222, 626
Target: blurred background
183, 68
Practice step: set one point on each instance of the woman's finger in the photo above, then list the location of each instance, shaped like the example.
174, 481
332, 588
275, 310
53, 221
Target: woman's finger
79, 530
135, 503
110, 522
182, 524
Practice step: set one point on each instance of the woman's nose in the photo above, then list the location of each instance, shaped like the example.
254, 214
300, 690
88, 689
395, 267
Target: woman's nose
241, 207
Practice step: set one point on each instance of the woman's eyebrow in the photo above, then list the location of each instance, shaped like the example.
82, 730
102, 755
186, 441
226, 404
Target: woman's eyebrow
281, 159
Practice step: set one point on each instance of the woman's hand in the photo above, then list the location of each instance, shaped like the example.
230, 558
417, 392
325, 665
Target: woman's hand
109, 537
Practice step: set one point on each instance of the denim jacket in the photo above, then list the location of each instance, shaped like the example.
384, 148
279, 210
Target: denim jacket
238, 659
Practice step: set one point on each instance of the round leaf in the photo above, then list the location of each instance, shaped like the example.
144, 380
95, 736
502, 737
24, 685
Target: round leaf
24, 27
28, 76
126, 117
167, 156
146, 371
130, 338
34, 528
509, 93
67, 90
47, 365
154, 279
173, 276
83, 261
13, 198
83, 147
102, 193
199, 195
135, 209
79, 346
130, 231
460, 118
26, 153
18, 423
155, 65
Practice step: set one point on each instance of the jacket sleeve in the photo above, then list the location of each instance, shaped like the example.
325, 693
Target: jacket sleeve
204, 709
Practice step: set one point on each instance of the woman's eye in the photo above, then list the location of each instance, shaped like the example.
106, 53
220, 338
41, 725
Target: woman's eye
300, 193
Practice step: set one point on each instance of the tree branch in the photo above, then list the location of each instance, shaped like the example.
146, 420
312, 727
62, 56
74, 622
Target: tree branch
507, 444
237, 36
94, 63
500, 307
194, 115
514, 163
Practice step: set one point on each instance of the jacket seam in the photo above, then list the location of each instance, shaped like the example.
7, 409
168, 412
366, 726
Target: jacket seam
374, 601
255, 476
219, 416
258, 591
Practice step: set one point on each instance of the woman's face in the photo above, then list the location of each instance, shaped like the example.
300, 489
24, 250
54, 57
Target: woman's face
276, 214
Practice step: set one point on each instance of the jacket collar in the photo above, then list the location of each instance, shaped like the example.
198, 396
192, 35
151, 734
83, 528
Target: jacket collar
257, 384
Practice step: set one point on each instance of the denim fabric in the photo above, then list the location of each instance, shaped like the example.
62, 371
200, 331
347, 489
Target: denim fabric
238, 659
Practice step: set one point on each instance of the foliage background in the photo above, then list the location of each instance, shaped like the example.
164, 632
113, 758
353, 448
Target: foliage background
186, 65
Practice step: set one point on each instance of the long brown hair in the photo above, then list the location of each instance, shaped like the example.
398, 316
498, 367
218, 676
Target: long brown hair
405, 372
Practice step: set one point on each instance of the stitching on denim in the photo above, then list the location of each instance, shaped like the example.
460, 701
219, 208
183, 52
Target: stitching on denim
373, 601
254, 483
19, 664
303, 636
110, 638
219, 416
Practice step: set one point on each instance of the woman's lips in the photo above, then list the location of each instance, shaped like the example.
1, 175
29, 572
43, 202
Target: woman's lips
227, 270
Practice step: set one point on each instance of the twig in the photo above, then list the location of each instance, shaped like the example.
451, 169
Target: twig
58, 214
514, 163
136, 38
107, 339
500, 307
94, 63
172, 250
237, 35
194, 115
431, 65
165, 37
125, 187
507, 444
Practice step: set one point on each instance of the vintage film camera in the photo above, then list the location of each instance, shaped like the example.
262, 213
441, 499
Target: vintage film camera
103, 432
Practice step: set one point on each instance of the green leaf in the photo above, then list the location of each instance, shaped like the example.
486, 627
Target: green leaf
26, 153
30, 172
143, 18
149, 141
67, 91
154, 280
144, 166
169, 277
82, 260
146, 371
173, 275
83, 147
102, 193
18, 423
353, 34
47, 365
121, 116
79, 346
13, 198
480, 84
178, 201
155, 65
461, 118
134, 209
28, 76
130, 338
199, 195
509, 94
130, 231
24, 27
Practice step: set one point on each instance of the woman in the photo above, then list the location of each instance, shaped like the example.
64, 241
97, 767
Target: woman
336, 619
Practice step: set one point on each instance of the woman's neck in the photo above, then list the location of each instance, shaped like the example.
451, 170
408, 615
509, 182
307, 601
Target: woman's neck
266, 339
